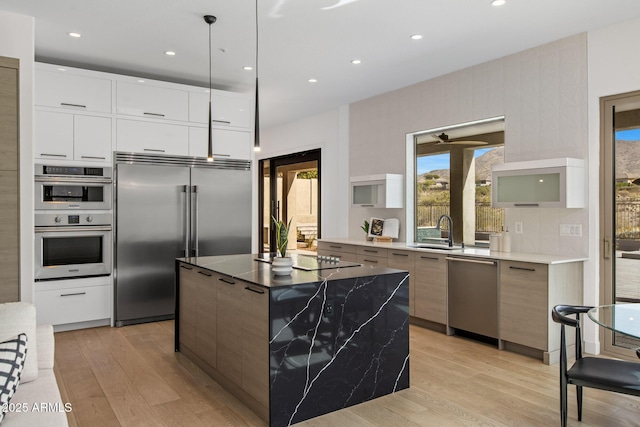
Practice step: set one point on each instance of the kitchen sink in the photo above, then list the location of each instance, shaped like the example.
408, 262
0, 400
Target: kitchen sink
436, 246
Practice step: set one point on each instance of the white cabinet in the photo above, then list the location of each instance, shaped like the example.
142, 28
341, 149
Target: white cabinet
140, 99
229, 143
67, 136
71, 91
553, 183
225, 110
152, 138
59, 305
377, 191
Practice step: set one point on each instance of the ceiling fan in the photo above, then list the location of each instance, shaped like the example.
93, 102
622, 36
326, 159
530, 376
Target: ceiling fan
443, 138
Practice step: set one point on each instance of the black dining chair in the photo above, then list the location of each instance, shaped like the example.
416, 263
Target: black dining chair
605, 374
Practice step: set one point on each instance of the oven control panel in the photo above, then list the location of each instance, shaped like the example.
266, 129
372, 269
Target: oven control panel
43, 220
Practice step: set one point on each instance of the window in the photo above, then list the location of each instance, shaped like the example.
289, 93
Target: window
452, 176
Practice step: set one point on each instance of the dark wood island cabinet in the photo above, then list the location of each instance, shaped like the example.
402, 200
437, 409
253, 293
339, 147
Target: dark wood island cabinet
298, 346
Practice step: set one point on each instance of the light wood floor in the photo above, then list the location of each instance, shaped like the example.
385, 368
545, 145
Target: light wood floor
130, 376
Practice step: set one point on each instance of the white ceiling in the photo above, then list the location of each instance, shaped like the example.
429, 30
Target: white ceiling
302, 39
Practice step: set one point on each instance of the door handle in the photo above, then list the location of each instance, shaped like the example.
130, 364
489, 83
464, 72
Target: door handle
607, 248
194, 190
185, 190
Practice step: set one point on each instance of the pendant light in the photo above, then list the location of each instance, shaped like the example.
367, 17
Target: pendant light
210, 19
256, 131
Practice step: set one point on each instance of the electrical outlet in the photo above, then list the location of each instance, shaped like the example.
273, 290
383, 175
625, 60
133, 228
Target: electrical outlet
519, 227
571, 230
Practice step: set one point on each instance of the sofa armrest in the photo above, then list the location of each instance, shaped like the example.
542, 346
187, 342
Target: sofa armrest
46, 346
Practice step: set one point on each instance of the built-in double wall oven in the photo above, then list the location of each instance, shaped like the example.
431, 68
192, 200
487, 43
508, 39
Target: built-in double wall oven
73, 222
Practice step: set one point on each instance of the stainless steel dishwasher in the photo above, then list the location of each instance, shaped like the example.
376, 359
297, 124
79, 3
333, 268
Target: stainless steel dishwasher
473, 295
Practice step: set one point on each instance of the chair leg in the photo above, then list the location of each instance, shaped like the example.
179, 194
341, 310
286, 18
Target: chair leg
563, 403
579, 396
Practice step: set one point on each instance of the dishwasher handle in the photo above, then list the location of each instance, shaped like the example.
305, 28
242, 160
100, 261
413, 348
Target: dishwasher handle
473, 261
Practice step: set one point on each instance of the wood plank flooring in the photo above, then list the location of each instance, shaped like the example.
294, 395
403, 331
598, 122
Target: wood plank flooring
131, 376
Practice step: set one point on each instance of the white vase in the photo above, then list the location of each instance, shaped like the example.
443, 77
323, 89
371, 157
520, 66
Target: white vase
281, 266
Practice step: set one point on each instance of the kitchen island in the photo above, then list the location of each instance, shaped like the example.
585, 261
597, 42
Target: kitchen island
327, 336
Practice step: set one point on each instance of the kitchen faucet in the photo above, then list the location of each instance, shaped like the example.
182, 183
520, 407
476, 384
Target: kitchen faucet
450, 239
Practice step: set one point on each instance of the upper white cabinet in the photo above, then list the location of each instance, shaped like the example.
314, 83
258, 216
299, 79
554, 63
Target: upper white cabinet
141, 99
152, 138
64, 90
552, 183
229, 143
226, 110
377, 191
83, 115
65, 136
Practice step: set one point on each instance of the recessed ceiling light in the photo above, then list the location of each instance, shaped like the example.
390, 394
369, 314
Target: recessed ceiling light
247, 68
497, 2
416, 37
62, 69
170, 53
76, 35
312, 81
356, 61
140, 81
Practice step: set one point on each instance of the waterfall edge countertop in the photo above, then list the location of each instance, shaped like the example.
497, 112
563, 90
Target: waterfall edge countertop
473, 251
246, 267
294, 347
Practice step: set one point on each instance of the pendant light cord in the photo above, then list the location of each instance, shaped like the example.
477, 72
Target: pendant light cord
256, 130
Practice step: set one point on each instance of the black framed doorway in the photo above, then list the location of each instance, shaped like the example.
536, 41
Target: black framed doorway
289, 188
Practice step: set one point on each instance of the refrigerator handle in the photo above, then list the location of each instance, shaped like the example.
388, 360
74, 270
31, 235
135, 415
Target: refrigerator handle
194, 189
187, 196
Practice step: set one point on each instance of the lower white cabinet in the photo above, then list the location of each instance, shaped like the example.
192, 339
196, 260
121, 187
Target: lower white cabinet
152, 138
233, 144
60, 305
67, 136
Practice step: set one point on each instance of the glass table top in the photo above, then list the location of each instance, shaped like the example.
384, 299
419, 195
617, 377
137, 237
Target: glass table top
622, 318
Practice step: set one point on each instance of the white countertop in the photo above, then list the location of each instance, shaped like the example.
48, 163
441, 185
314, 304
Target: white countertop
467, 251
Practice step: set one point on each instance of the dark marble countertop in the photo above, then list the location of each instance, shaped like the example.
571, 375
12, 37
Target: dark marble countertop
245, 267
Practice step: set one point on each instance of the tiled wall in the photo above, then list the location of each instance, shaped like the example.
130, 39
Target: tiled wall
542, 93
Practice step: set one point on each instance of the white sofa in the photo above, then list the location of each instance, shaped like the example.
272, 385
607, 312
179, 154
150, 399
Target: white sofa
37, 400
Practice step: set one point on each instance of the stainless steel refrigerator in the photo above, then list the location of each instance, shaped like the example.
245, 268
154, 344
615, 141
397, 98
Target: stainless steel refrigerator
170, 207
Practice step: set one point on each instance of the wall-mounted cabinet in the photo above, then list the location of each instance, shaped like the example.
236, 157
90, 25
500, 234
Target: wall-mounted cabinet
377, 191
552, 183
143, 100
61, 89
229, 143
225, 110
152, 138
65, 136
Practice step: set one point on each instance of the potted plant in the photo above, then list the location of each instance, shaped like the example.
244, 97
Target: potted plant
365, 228
282, 264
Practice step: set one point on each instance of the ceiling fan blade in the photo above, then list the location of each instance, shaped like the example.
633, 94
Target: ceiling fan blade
466, 142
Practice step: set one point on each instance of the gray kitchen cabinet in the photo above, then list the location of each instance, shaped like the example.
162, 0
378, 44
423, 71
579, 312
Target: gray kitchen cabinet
255, 342
224, 323
9, 181
339, 250
404, 260
198, 303
431, 287
229, 324
527, 293
372, 255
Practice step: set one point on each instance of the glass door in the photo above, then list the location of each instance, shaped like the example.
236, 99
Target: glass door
290, 190
620, 224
